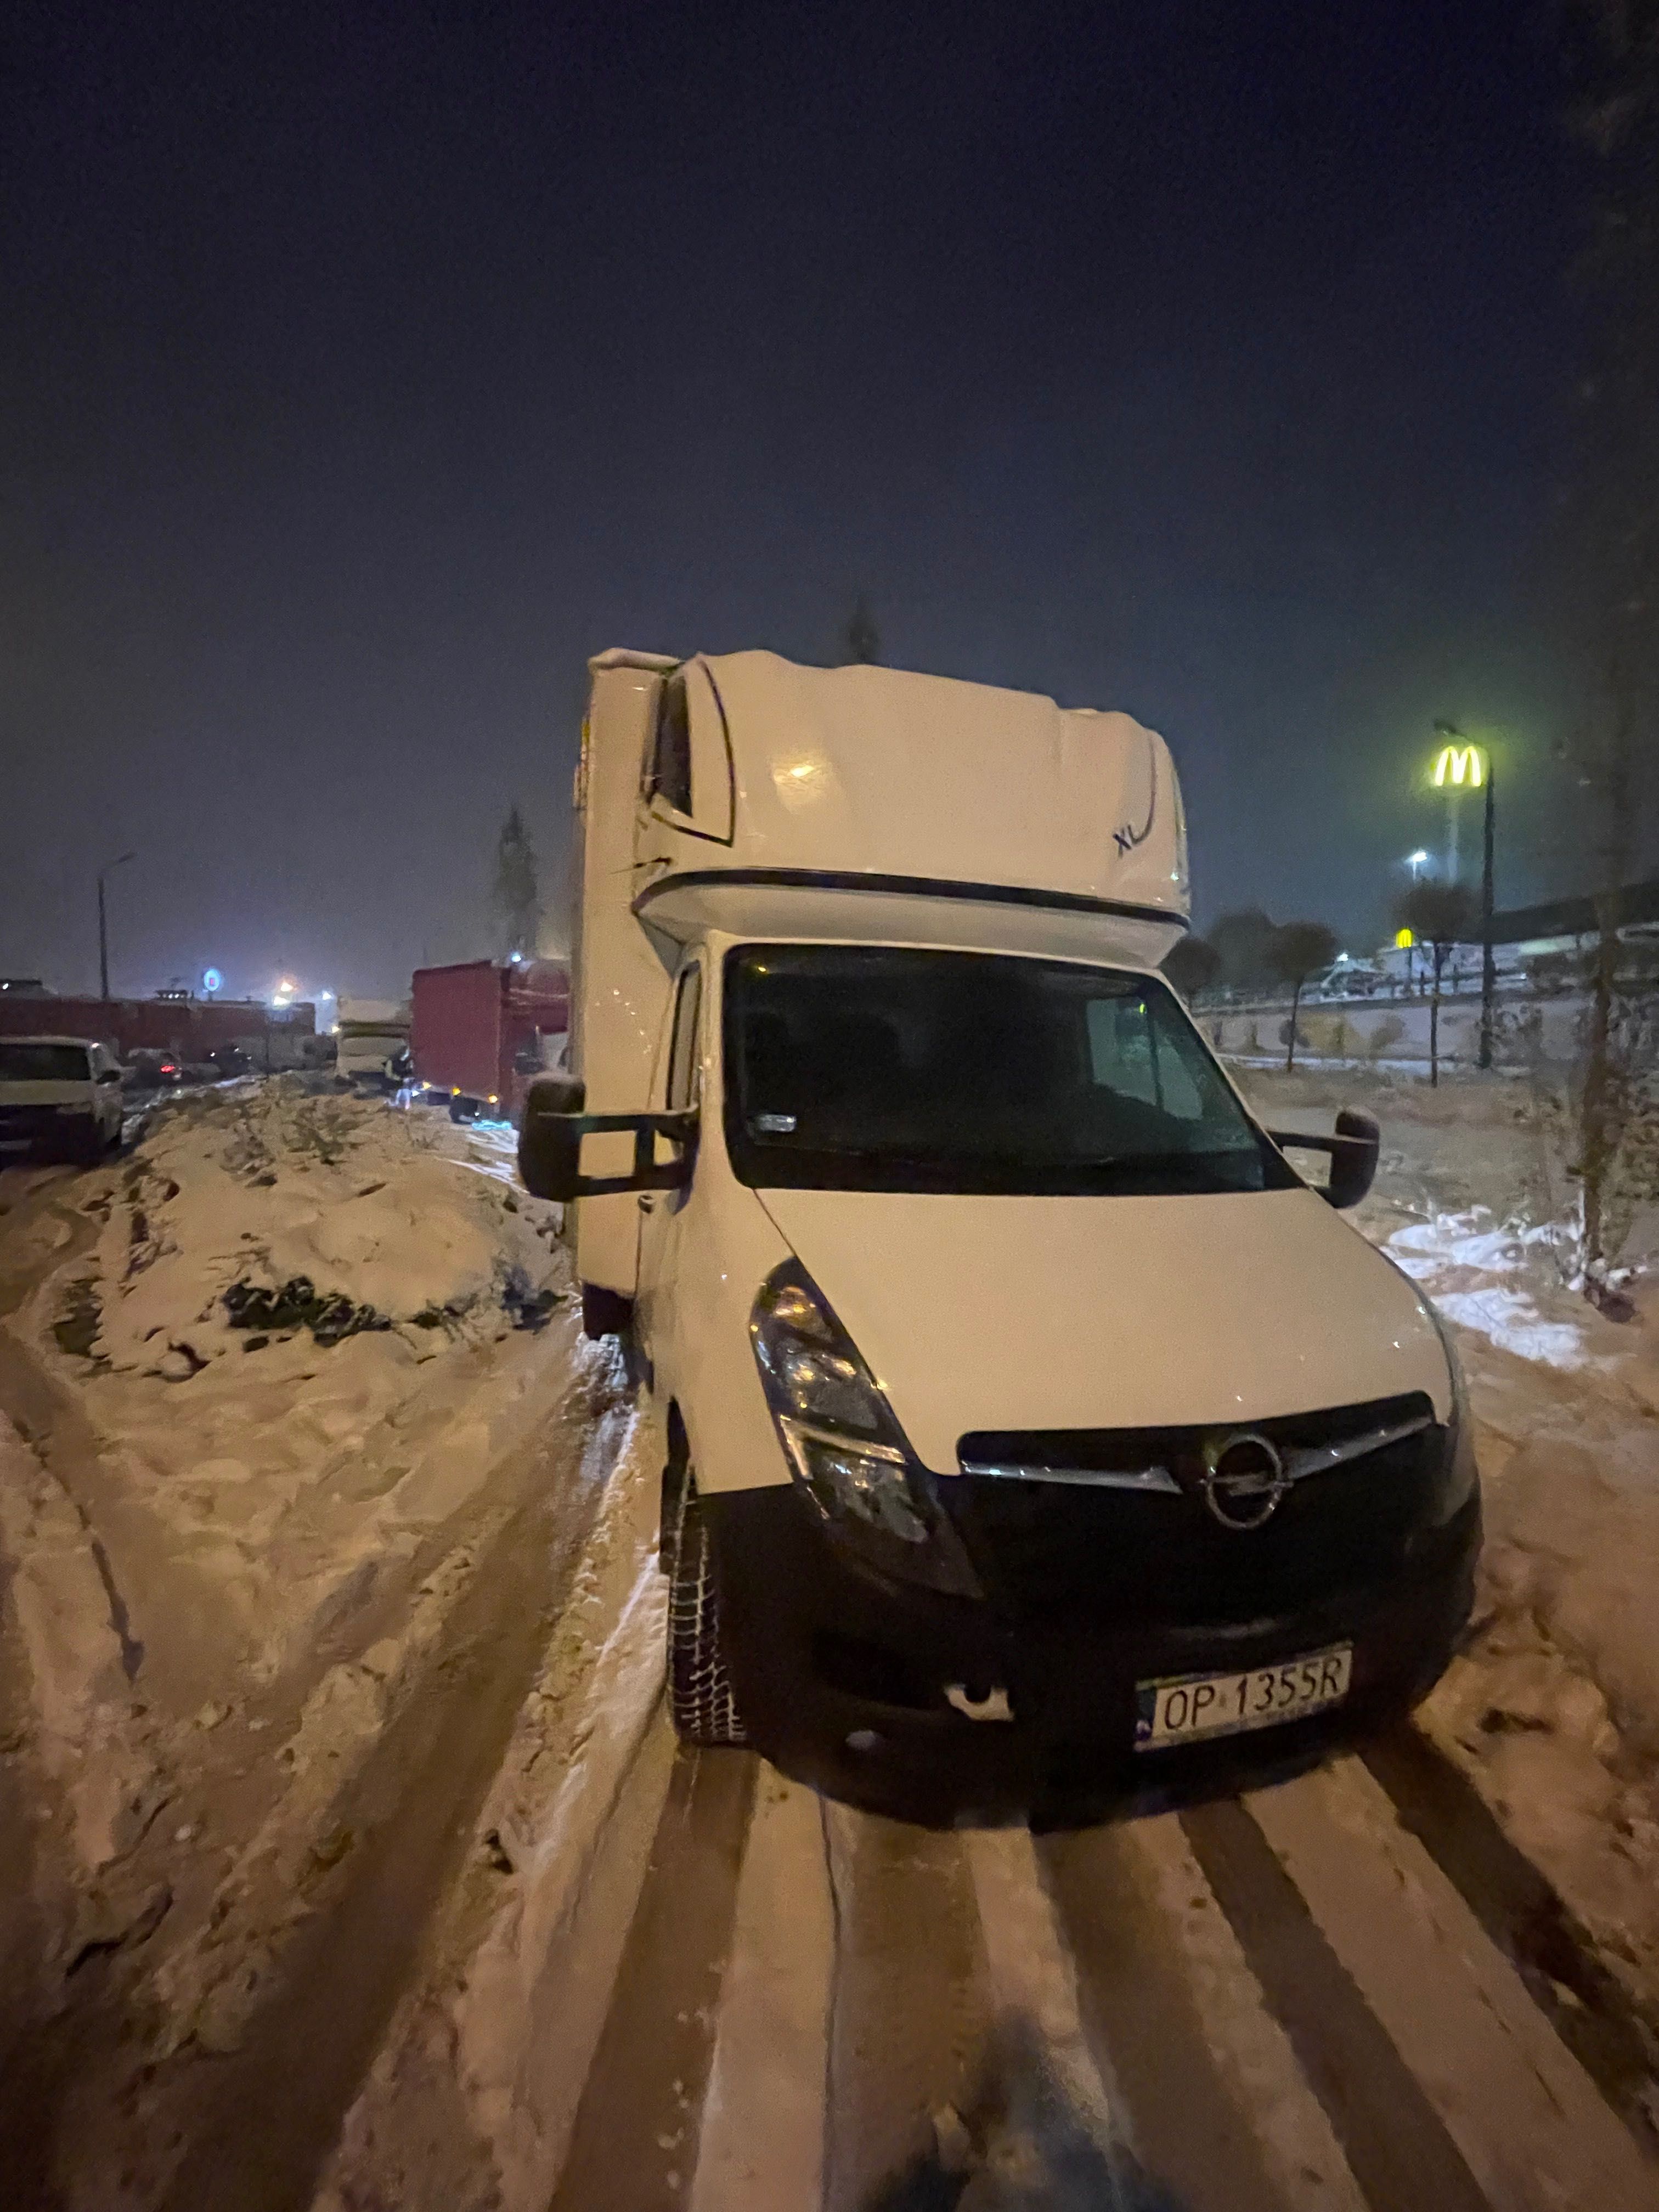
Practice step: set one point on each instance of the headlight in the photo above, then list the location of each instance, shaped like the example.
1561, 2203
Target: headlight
844, 1447
1463, 1476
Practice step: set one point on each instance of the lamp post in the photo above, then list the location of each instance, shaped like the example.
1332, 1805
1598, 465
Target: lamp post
108, 868
1460, 765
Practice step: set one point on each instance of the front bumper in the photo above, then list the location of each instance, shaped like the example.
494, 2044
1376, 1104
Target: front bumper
843, 1677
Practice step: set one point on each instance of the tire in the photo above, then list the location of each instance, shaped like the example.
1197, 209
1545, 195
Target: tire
606, 1313
701, 1698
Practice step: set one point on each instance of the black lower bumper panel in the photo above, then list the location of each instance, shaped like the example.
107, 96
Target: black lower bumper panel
941, 1709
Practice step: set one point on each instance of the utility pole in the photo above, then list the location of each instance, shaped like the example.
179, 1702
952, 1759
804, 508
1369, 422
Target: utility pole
1488, 960
103, 927
1457, 762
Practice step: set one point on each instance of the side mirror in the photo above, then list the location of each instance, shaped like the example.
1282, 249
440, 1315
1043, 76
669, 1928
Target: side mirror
1353, 1152
550, 1144
109, 1075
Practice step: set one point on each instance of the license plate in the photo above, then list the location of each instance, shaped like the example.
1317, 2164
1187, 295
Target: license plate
1186, 1708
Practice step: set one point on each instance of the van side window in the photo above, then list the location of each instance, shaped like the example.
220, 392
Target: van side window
682, 1047
670, 779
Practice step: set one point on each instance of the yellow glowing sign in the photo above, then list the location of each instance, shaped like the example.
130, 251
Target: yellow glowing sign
1403, 940
1459, 764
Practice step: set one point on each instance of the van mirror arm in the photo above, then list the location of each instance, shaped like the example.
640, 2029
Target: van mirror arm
1353, 1153
550, 1143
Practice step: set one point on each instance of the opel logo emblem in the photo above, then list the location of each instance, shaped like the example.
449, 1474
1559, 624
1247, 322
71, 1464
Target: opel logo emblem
1244, 1478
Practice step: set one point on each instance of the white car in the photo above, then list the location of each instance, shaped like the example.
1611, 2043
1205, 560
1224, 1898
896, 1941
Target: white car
60, 1097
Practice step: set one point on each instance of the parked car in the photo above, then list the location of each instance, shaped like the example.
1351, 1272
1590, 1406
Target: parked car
60, 1097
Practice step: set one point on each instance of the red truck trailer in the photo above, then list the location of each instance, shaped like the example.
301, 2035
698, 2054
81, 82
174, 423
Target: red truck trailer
483, 1030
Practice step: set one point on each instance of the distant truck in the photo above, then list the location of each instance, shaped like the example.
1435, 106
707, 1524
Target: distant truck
372, 1035
483, 1030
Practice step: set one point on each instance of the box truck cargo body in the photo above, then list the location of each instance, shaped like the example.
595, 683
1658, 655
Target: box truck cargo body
484, 1030
1033, 1429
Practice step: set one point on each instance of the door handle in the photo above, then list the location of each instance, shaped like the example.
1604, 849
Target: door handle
647, 1201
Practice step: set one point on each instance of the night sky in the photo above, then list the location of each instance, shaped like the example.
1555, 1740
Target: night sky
364, 369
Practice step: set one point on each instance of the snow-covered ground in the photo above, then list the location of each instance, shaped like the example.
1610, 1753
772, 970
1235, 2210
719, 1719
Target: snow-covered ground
284, 1388
1553, 1710
348, 1859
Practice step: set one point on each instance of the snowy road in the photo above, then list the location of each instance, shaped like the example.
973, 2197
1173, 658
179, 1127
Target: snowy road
347, 1860
699, 1985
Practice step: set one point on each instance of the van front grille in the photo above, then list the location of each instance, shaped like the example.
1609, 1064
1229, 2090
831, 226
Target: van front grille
1071, 1551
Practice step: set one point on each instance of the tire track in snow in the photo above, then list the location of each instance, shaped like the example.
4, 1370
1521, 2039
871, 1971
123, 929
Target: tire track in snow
1138, 2004
1398, 2147
762, 2140
911, 2008
1050, 2114
634, 2145
487, 2055
1526, 1917
1525, 2120
262, 2131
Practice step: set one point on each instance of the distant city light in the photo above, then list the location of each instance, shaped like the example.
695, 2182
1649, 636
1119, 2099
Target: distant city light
1403, 940
1416, 859
212, 980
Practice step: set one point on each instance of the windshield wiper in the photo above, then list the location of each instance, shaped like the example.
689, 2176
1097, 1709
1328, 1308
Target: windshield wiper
1209, 1168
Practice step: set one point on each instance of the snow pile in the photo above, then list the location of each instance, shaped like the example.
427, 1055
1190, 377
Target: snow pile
250, 1217
1486, 1275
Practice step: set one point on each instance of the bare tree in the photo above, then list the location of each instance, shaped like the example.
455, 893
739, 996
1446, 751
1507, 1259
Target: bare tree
860, 641
1192, 965
515, 896
1298, 950
1244, 942
1439, 916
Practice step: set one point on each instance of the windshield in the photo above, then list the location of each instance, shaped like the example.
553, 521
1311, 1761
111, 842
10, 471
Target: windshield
875, 1067
43, 1063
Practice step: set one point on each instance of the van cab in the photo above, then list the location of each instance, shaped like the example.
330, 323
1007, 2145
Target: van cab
60, 1097
1034, 1428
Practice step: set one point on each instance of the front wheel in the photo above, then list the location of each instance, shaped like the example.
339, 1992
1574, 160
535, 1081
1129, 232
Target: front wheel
701, 1697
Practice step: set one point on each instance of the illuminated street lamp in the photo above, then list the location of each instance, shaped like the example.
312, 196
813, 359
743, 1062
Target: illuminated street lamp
1461, 766
108, 869
1416, 861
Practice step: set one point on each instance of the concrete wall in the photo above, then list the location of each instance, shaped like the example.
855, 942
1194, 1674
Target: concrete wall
1391, 1028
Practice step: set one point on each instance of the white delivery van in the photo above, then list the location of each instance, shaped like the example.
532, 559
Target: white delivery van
60, 1098
1033, 1429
